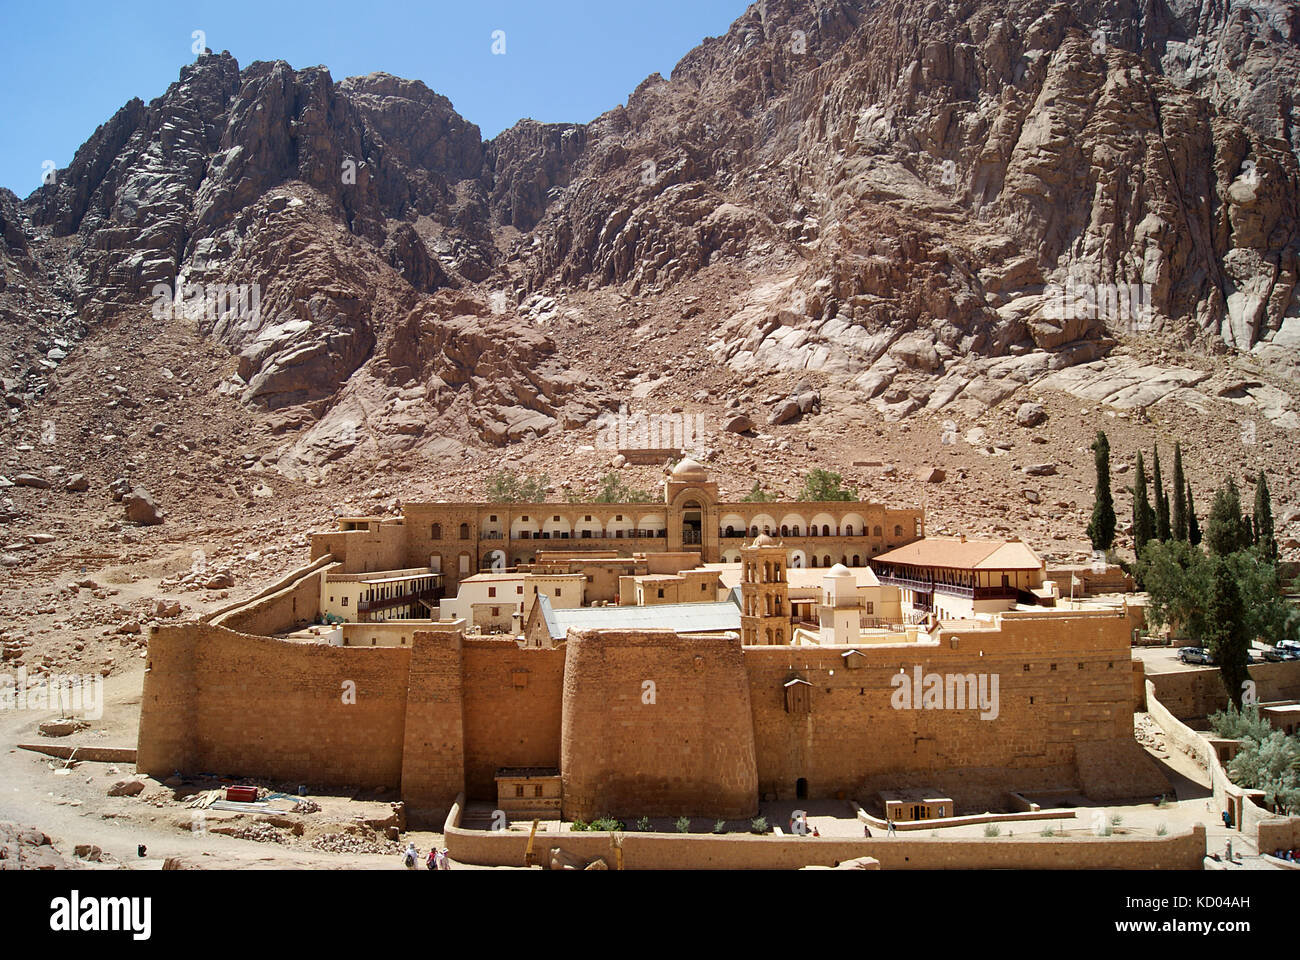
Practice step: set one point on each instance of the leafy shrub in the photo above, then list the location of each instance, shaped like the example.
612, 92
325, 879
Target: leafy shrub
605, 825
643, 824
992, 830
719, 826
1162, 830
758, 825
578, 825
683, 824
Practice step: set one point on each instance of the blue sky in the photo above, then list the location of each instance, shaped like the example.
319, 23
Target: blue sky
70, 66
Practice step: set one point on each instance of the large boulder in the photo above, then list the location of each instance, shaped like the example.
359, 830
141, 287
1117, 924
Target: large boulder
141, 508
1030, 415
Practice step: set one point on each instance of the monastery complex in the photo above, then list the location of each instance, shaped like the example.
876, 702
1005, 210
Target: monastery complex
686, 658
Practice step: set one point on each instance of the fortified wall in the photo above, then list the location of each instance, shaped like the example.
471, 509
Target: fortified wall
656, 724
720, 726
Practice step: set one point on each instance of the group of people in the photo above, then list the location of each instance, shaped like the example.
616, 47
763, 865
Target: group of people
437, 859
1292, 855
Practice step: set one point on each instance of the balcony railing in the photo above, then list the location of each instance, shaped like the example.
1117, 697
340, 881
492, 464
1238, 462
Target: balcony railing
366, 606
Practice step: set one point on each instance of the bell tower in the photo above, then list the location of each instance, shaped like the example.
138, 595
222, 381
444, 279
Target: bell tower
764, 593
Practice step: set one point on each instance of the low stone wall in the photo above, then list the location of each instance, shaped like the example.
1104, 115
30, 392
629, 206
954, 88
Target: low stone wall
1278, 833
65, 751
1180, 735
667, 851
1195, 694
292, 601
974, 818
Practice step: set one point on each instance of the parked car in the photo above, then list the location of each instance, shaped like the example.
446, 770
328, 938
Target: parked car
1194, 655
1274, 655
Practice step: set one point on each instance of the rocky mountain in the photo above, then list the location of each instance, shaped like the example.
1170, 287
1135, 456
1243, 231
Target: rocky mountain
915, 211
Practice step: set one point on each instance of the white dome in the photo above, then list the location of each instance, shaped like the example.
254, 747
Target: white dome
689, 469
839, 570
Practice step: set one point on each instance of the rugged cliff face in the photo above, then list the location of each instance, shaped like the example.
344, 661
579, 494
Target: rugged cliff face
924, 206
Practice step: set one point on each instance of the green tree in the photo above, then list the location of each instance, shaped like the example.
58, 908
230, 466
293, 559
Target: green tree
611, 489
505, 486
1178, 515
1225, 629
1243, 724
1271, 765
756, 495
1176, 576
1144, 518
1162, 500
1193, 525
1101, 528
1225, 530
1266, 613
1265, 538
820, 485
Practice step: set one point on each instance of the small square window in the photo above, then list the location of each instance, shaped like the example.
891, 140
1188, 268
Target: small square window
537, 790
1026, 668
492, 591
519, 790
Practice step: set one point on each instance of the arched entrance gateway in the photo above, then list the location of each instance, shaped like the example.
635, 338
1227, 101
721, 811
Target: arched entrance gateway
692, 523
693, 515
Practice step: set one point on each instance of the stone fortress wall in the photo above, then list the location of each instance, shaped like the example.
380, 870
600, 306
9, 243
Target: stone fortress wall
439, 717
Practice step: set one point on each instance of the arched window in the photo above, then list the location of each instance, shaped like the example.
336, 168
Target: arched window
826, 529
464, 531
898, 531
848, 531
876, 532
785, 531
856, 561
435, 532
814, 559
796, 531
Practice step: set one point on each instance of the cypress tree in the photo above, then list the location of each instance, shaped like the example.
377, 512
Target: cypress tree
1265, 538
1101, 528
1144, 518
1178, 517
1193, 526
1225, 530
1162, 501
1226, 635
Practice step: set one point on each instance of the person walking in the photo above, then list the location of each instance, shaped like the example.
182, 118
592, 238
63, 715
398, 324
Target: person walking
410, 856
891, 827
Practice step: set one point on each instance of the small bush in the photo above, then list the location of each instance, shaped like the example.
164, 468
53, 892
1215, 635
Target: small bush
605, 825
578, 825
683, 824
1162, 830
1047, 831
1163, 801
758, 825
719, 826
643, 824
1116, 820
992, 830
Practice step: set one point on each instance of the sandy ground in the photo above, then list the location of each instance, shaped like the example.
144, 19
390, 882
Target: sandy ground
74, 808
